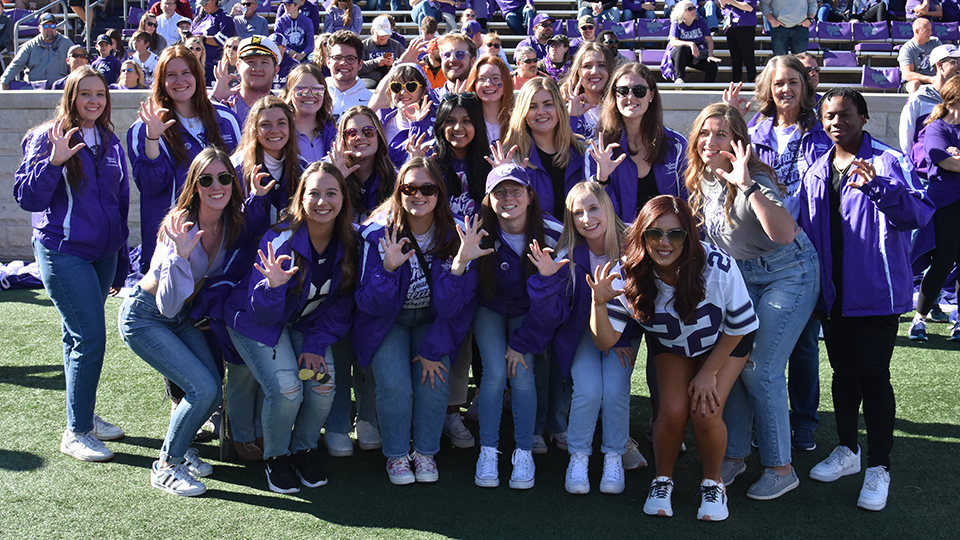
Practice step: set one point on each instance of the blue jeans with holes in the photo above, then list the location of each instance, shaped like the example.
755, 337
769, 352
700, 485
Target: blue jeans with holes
793, 40
293, 410
179, 351
601, 386
492, 332
401, 400
784, 285
78, 289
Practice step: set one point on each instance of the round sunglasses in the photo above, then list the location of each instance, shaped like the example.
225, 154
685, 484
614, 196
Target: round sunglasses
206, 180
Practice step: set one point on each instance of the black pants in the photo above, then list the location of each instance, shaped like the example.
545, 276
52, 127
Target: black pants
683, 58
943, 256
741, 40
860, 349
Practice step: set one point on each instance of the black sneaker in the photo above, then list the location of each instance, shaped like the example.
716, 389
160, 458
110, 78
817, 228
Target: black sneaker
306, 464
281, 476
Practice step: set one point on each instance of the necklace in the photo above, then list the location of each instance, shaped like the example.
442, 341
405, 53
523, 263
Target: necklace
672, 275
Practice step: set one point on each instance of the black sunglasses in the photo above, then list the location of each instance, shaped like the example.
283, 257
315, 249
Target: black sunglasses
674, 236
611, 42
528, 61
428, 190
638, 91
411, 86
206, 180
464, 96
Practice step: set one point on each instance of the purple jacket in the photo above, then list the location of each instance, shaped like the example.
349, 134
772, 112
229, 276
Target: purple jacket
623, 180
259, 312
397, 150
741, 17
308, 8
381, 294
877, 220
109, 66
159, 180
89, 222
512, 5
317, 148
514, 295
540, 180
219, 26
277, 197
333, 20
532, 41
299, 32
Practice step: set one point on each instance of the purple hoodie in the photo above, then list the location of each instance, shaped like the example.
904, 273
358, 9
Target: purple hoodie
299, 32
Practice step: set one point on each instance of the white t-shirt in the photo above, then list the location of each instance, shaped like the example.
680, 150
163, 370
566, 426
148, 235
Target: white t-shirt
515, 241
148, 66
790, 165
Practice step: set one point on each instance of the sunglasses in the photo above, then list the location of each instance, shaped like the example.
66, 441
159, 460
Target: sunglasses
588, 27
493, 45
410, 86
816, 69
350, 60
367, 131
80, 55
529, 61
464, 96
246, 4
502, 192
427, 190
206, 180
611, 42
691, 8
674, 236
196, 49
48, 25
128, 70
638, 91
303, 91
151, 24
459, 55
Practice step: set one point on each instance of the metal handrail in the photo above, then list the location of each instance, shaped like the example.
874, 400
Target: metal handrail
90, 24
37, 13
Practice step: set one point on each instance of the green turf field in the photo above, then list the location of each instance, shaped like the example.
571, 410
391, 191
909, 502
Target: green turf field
45, 494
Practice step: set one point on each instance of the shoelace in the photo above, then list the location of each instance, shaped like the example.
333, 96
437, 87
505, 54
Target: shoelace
872, 481
661, 489
579, 470
488, 460
710, 494
523, 464
424, 464
610, 469
89, 440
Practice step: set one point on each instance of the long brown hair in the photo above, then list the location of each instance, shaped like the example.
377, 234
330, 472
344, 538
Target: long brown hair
67, 112
534, 230
950, 93
766, 108
205, 110
609, 59
696, 167
639, 274
519, 133
295, 216
293, 79
506, 101
382, 165
189, 200
651, 125
152, 44
251, 151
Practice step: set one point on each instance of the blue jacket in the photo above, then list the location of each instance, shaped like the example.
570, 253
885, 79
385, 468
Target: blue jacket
623, 180
540, 180
260, 312
89, 222
877, 219
160, 180
381, 294
514, 295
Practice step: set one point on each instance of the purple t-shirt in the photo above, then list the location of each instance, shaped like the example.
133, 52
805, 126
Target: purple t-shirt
944, 185
741, 17
694, 32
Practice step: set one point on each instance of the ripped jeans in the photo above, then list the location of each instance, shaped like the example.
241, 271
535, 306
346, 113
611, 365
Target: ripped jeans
288, 403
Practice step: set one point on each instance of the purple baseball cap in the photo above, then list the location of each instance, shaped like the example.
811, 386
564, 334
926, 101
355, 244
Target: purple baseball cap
504, 172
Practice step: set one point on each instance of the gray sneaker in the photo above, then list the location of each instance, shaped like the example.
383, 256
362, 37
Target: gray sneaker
771, 485
730, 469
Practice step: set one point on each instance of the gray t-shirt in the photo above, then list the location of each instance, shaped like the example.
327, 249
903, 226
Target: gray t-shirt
918, 55
743, 238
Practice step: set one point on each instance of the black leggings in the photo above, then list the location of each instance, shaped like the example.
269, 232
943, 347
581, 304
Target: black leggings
741, 40
943, 256
682, 59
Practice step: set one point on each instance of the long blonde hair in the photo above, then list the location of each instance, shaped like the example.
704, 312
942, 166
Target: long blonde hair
616, 229
519, 135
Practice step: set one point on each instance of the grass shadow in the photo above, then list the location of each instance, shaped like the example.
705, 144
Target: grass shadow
36, 297
28, 377
13, 460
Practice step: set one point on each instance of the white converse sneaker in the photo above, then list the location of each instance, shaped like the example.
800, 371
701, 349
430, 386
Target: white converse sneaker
368, 436
105, 431
197, 467
577, 482
539, 445
458, 434
487, 474
612, 481
658, 499
523, 469
840, 462
713, 502
176, 480
84, 446
876, 487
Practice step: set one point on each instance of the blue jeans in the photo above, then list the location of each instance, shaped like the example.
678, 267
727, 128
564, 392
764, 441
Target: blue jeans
179, 351
709, 12
78, 289
424, 9
612, 14
518, 20
794, 40
340, 419
784, 285
492, 332
553, 394
381, 5
401, 399
600, 386
630, 15
244, 403
288, 403
803, 383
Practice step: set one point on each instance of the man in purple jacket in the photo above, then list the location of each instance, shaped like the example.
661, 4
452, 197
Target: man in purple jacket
858, 204
542, 32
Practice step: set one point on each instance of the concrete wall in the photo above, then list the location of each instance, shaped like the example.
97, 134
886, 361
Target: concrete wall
21, 110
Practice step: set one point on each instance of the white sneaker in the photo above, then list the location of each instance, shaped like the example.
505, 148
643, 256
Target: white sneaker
876, 487
458, 434
105, 431
539, 445
487, 473
425, 468
523, 469
176, 480
679, 81
197, 467
577, 482
560, 439
367, 435
338, 444
612, 481
633, 459
713, 502
658, 499
840, 462
84, 446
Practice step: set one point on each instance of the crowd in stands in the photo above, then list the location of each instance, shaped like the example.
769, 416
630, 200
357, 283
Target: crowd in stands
327, 212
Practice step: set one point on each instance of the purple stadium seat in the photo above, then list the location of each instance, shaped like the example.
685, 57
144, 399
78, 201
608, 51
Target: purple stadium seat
900, 30
651, 28
872, 37
834, 32
881, 78
624, 30
572, 30
651, 57
839, 59
947, 31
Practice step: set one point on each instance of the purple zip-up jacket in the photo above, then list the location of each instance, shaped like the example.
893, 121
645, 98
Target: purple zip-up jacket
299, 32
514, 296
160, 180
877, 220
316, 148
381, 294
397, 148
623, 180
540, 180
260, 312
277, 197
89, 222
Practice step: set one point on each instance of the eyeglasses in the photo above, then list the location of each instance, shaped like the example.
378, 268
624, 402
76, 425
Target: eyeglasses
463, 96
691, 8
410, 86
128, 70
674, 236
303, 91
638, 91
611, 42
206, 180
502, 192
816, 69
588, 27
150, 24
350, 60
528, 61
493, 45
427, 190
48, 25
951, 61
79, 55
367, 131
196, 49
459, 55
496, 81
